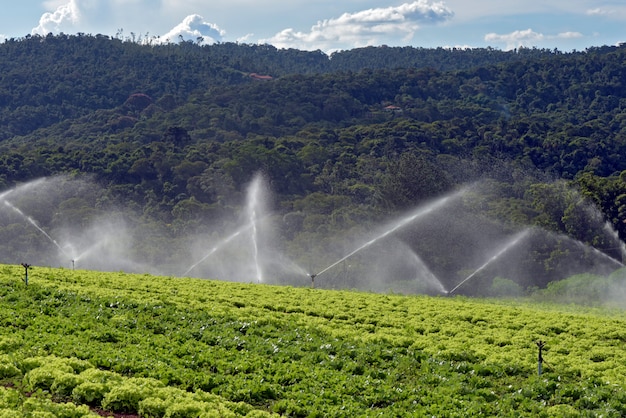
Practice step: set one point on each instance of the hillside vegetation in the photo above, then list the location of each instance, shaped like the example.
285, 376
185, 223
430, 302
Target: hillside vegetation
292, 177
73, 343
170, 137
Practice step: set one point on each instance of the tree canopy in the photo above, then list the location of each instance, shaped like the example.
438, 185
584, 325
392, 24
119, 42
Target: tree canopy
178, 131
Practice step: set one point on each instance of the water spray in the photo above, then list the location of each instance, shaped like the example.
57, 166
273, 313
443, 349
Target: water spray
217, 247
34, 224
251, 208
602, 254
614, 234
403, 222
517, 238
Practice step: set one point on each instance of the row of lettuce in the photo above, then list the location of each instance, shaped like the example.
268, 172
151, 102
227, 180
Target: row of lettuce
74, 342
78, 389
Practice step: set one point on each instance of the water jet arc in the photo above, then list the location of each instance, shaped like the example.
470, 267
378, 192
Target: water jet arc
403, 222
517, 238
34, 224
252, 208
217, 247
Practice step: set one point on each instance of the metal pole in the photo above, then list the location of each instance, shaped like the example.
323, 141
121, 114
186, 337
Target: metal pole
540, 345
26, 267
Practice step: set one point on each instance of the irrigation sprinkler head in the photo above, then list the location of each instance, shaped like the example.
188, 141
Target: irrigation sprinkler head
26, 267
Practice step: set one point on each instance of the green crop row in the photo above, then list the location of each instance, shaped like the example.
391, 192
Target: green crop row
79, 383
157, 345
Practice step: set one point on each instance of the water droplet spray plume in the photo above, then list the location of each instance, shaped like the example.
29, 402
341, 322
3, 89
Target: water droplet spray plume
398, 225
253, 207
90, 250
596, 251
620, 244
216, 248
428, 276
256, 226
34, 224
510, 244
262, 264
253, 204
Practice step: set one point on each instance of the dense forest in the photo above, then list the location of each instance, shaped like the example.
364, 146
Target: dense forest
174, 134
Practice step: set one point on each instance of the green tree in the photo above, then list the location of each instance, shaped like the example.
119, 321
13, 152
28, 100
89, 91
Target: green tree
410, 181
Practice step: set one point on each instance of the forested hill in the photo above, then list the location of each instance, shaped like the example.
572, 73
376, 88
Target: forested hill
44, 80
178, 131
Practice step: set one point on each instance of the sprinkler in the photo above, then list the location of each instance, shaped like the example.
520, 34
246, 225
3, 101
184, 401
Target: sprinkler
540, 345
26, 267
312, 280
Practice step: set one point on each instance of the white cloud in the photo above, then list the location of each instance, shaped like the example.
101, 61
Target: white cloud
515, 39
367, 27
72, 16
617, 11
369, 24
569, 35
526, 38
192, 28
111, 17
598, 12
63, 18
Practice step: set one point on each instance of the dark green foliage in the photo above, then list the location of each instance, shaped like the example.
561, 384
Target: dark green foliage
176, 132
587, 289
412, 180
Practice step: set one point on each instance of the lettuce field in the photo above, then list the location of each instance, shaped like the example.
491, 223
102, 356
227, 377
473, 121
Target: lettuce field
82, 343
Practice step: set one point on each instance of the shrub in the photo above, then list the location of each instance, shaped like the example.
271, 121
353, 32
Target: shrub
583, 289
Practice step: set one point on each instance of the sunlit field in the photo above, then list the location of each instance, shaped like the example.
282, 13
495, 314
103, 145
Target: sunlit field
80, 343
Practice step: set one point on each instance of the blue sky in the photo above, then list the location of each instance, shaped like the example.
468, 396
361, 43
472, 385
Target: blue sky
331, 25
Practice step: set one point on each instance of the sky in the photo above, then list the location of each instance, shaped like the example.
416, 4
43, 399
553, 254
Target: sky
330, 25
